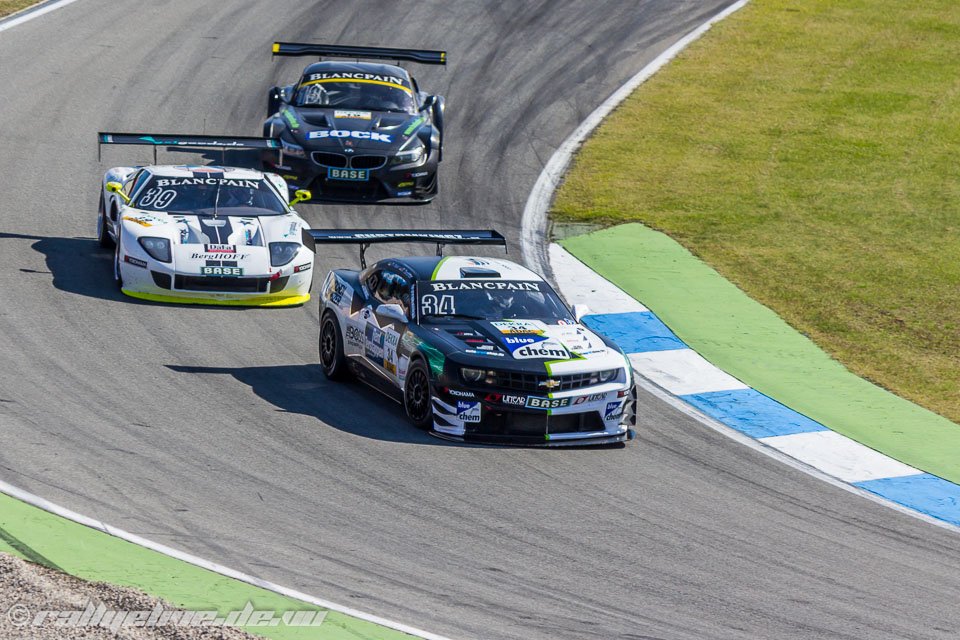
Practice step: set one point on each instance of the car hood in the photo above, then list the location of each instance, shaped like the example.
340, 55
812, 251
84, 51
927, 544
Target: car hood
532, 345
349, 129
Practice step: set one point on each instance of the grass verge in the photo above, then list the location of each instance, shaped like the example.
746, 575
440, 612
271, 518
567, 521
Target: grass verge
806, 150
10, 6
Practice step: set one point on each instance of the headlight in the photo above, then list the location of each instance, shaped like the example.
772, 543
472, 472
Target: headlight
282, 252
292, 149
472, 375
607, 376
408, 156
158, 248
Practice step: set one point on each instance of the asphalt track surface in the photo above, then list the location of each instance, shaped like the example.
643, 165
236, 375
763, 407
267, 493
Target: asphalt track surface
213, 430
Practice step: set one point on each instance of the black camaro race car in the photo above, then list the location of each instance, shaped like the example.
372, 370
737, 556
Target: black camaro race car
357, 131
476, 349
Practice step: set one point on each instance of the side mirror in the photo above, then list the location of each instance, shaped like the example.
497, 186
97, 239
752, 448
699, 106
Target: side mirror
392, 312
428, 103
580, 310
300, 195
117, 188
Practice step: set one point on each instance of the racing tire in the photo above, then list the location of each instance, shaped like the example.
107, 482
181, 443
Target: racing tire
417, 398
117, 275
103, 236
330, 345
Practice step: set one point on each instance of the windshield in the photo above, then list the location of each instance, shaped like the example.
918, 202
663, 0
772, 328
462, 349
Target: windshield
490, 300
367, 95
209, 195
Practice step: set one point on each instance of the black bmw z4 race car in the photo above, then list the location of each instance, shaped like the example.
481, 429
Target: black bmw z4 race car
357, 131
476, 349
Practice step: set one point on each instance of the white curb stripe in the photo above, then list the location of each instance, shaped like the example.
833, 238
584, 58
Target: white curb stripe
29, 14
683, 372
585, 284
63, 512
534, 220
839, 456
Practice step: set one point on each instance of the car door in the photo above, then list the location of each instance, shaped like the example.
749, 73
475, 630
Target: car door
382, 333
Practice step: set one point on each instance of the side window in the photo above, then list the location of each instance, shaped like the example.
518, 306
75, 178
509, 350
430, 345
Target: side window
128, 185
138, 181
391, 288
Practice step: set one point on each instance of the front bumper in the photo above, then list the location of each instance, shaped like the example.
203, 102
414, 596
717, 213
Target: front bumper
403, 182
600, 415
147, 279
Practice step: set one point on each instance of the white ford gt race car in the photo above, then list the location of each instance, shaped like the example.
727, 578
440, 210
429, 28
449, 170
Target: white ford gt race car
204, 234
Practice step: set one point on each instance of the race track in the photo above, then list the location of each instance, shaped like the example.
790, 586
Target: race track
213, 430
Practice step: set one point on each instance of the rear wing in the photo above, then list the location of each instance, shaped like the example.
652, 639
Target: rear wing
192, 141
423, 56
367, 237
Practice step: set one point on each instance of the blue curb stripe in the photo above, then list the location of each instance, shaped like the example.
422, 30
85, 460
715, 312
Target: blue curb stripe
635, 332
752, 413
922, 492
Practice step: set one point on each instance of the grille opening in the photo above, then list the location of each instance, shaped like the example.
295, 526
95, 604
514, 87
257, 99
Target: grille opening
537, 382
335, 160
367, 162
208, 283
162, 280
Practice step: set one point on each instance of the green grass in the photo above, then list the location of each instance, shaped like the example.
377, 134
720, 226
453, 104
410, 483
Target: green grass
9, 6
807, 149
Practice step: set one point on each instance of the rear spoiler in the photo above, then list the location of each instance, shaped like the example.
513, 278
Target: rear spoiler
422, 56
174, 140
367, 237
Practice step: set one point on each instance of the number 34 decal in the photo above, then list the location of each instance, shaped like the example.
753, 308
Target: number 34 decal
437, 305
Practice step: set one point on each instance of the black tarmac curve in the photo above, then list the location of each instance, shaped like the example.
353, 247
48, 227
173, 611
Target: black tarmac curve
213, 430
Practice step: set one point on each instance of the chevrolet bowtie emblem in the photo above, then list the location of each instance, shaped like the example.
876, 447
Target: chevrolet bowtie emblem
550, 383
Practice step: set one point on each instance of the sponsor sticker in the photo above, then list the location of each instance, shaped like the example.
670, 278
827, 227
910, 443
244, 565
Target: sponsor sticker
373, 345
355, 75
419, 174
356, 115
218, 256
517, 326
468, 411
514, 400
140, 221
219, 248
613, 410
591, 398
534, 402
515, 341
135, 261
340, 293
478, 352
402, 367
487, 285
302, 267
542, 350
225, 182
462, 394
221, 271
372, 136
354, 336
401, 194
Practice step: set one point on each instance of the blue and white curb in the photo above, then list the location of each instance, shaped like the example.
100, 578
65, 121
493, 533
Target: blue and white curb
715, 396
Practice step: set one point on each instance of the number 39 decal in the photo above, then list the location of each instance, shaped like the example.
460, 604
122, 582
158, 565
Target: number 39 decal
433, 305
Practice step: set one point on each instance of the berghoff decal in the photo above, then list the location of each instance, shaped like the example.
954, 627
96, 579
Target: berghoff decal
218, 256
